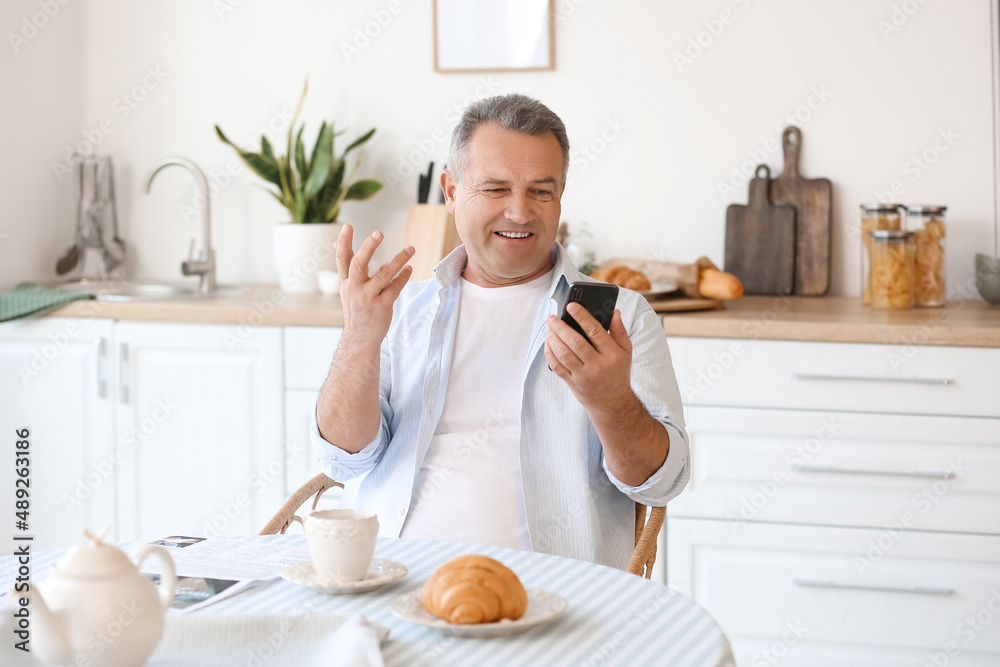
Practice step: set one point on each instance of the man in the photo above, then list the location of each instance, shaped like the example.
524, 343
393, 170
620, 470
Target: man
441, 394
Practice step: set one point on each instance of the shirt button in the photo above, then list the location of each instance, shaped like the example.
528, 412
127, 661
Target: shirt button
402, 512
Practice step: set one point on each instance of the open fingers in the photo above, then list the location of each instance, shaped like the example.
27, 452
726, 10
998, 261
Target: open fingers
387, 272
345, 251
359, 264
398, 283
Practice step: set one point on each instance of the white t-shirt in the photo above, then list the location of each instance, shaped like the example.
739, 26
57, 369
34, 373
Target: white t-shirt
469, 485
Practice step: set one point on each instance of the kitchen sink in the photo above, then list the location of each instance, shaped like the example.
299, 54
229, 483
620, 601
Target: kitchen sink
121, 290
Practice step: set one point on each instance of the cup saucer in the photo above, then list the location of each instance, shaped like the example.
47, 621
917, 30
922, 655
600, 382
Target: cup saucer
380, 573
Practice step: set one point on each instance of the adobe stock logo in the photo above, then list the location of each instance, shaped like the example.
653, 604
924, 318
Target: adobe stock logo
30, 26
363, 35
713, 29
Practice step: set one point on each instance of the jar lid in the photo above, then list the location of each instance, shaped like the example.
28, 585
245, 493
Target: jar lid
879, 207
891, 235
925, 209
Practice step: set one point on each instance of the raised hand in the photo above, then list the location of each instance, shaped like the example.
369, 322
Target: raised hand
367, 300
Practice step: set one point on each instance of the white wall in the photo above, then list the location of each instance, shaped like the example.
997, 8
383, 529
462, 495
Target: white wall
39, 117
652, 190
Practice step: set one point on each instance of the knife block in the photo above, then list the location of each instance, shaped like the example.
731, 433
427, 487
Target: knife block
431, 230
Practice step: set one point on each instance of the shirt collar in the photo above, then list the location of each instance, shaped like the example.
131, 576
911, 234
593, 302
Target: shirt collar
449, 270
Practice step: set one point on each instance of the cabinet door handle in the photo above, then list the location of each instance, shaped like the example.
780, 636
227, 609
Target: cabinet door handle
872, 378
123, 371
920, 474
919, 590
102, 367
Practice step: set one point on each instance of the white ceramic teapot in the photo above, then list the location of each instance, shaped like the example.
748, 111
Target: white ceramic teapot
95, 604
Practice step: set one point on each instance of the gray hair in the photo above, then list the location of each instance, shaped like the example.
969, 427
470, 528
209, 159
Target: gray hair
514, 112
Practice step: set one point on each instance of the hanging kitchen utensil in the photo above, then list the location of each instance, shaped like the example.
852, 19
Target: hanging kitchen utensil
760, 241
71, 257
113, 246
813, 202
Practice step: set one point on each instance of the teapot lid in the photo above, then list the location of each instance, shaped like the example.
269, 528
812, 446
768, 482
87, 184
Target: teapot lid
93, 558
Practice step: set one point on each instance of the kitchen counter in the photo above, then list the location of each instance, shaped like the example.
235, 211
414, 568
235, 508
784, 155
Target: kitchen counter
831, 319
971, 323
263, 305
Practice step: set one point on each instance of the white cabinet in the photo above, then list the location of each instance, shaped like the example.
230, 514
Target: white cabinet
199, 426
838, 376
843, 469
54, 374
308, 356
847, 489
302, 464
812, 596
153, 429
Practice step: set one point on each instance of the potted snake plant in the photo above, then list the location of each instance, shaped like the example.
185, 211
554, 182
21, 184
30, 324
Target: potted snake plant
312, 186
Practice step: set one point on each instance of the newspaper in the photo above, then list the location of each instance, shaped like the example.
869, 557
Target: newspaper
211, 570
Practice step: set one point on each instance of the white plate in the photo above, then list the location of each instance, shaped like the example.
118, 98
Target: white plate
380, 573
542, 606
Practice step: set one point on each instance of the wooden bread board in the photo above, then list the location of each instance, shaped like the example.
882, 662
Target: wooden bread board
813, 202
760, 241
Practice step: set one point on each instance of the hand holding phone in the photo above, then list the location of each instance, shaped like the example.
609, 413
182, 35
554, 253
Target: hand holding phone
598, 298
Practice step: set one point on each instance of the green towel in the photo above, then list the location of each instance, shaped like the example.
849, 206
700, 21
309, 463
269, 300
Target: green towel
32, 298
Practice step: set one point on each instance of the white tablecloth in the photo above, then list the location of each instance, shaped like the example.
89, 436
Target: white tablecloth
614, 618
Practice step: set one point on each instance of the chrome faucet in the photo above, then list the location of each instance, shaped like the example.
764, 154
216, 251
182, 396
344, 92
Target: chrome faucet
205, 266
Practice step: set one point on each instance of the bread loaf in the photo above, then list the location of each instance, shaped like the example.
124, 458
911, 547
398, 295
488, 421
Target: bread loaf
474, 589
715, 284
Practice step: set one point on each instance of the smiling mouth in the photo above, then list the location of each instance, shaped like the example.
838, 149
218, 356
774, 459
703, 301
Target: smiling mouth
514, 235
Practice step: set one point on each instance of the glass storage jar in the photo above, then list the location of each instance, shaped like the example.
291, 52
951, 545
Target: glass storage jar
927, 225
875, 215
892, 268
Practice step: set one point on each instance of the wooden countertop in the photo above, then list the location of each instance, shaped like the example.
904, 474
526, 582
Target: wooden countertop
833, 319
971, 323
263, 305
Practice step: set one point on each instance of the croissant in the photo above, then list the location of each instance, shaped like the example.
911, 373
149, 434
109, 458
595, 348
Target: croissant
623, 277
474, 589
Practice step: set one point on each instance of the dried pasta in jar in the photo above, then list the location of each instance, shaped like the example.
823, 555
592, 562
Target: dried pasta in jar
875, 216
927, 223
892, 269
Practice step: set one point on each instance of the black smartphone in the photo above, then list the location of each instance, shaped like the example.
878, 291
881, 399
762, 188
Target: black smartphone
598, 298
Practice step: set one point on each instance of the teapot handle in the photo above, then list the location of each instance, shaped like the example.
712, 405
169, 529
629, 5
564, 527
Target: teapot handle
168, 577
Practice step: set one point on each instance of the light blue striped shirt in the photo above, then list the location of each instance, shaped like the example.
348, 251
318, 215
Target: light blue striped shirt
575, 507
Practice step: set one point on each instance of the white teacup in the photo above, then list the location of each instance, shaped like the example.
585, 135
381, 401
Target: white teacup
341, 543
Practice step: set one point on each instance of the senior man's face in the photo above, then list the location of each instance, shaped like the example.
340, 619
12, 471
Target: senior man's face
508, 205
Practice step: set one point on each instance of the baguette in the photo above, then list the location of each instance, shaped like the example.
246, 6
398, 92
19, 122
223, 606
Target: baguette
715, 284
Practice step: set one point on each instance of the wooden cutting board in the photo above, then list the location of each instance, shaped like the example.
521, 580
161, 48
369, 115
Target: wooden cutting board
813, 202
760, 241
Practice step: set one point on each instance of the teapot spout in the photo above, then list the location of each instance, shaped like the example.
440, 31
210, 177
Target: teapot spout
51, 644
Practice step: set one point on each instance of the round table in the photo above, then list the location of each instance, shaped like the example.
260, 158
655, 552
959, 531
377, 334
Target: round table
613, 618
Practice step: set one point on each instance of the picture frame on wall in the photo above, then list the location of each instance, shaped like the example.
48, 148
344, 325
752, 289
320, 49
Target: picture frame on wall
494, 35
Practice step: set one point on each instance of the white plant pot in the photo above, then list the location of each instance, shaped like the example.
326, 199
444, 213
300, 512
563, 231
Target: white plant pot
300, 250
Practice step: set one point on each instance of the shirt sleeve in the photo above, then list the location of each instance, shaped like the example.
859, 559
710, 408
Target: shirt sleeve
655, 384
342, 466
